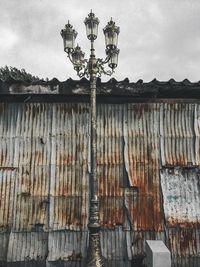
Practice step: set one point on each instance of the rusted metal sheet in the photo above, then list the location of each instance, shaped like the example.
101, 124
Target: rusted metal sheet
197, 133
23, 246
177, 134
110, 134
69, 167
181, 194
67, 246
4, 239
114, 247
44, 173
8, 120
49, 148
110, 164
8, 179
141, 153
111, 211
31, 199
184, 244
24, 130
136, 242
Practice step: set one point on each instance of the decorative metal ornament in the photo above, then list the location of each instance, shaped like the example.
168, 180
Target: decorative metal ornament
93, 68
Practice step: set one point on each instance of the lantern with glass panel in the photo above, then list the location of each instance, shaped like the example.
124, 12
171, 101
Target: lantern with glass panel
77, 56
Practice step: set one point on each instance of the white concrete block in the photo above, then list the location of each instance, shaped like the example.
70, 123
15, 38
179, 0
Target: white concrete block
158, 255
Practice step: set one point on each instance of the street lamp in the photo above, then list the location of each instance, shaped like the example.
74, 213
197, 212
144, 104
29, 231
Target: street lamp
93, 68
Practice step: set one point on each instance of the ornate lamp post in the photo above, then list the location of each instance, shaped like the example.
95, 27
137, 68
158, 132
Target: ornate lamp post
93, 68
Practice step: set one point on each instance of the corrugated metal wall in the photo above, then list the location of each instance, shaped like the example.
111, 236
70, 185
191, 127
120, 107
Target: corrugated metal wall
148, 158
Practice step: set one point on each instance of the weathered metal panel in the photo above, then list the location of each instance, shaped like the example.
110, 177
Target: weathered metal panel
44, 172
33, 132
113, 244
41, 142
197, 133
181, 195
69, 167
4, 239
136, 242
8, 178
31, 199
25, 148
184, 244
110, 164
8, 124
67, 246
110, 134
177, 134
142, 161
31, 246
111, 211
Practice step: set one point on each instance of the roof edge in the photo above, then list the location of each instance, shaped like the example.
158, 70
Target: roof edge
153, 89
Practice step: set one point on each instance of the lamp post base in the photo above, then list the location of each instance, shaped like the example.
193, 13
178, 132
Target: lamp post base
94, 255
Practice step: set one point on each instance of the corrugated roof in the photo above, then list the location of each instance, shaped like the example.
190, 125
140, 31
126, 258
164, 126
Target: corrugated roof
153, 89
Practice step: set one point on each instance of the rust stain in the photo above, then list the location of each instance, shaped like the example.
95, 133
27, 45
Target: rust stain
183, 242
75, 256
72, 215
8, 168
145, 209
111, 212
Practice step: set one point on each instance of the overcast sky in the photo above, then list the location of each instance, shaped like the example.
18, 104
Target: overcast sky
158, 38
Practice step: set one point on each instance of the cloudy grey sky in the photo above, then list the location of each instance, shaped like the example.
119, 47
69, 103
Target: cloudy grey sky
158, 39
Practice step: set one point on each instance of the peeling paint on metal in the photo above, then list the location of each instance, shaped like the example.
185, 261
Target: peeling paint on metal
181, 193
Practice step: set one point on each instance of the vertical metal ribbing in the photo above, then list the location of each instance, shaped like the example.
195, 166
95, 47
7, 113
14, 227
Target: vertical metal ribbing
94, 255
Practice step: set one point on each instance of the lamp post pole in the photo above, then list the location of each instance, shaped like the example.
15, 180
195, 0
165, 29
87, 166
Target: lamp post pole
92, 69
94, 255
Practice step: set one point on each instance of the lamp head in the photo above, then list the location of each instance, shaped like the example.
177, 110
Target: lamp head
91, 23
69, 35
78, 57
111, 32
113, 54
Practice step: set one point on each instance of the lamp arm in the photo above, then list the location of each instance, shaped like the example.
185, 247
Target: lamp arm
102, 61
101, 70
69, 55
83, 66
85, 71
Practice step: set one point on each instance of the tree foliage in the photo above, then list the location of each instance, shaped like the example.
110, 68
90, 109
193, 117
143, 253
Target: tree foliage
7, 73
